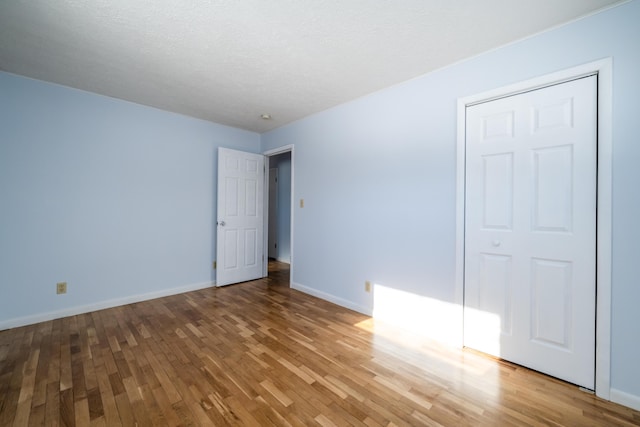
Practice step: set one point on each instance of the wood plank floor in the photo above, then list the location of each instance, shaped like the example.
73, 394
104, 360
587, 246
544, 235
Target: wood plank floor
262, 354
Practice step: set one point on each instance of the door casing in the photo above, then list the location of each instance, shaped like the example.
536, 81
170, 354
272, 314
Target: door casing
603, 69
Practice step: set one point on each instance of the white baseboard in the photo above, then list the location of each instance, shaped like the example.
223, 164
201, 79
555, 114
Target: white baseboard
284, 260
626, 399
425, 317
72, 311
332, 298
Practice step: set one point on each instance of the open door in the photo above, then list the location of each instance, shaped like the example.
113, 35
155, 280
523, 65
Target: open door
240, 223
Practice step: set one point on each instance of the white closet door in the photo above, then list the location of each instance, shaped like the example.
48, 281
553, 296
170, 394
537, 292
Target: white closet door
530, 229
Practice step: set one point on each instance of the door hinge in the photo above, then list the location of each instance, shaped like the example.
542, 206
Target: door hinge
215, 265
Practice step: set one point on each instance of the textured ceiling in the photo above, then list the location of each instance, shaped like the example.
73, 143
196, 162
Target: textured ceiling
229, 61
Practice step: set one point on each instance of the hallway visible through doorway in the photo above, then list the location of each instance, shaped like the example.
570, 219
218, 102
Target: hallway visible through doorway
278, 273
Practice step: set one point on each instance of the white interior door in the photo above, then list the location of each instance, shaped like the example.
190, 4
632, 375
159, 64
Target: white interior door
240, 224
530, 229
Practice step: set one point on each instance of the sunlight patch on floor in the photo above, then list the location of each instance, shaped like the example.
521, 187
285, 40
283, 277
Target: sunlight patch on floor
433, 329
423, 316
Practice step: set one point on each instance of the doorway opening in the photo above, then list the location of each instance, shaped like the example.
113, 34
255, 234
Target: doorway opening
279, 214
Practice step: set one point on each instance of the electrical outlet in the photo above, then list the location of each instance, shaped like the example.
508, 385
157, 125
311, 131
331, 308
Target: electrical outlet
367, 286
61, 288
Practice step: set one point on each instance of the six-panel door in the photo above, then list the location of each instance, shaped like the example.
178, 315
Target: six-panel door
530, 229
240, 225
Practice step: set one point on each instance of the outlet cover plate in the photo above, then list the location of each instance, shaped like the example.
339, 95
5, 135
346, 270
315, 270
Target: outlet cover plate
61, 288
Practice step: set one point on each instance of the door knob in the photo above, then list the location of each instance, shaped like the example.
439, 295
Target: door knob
496, 243
221, 223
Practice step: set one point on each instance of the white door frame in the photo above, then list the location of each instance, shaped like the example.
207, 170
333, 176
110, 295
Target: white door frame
268, 154
603, 68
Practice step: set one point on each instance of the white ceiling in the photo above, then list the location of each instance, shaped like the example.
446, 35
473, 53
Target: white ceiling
229, 61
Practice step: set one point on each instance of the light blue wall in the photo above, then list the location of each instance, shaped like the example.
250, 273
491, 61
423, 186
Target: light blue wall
283, 163
378, 176
115, 198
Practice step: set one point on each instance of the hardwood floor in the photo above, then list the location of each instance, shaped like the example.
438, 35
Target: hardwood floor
261, 354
